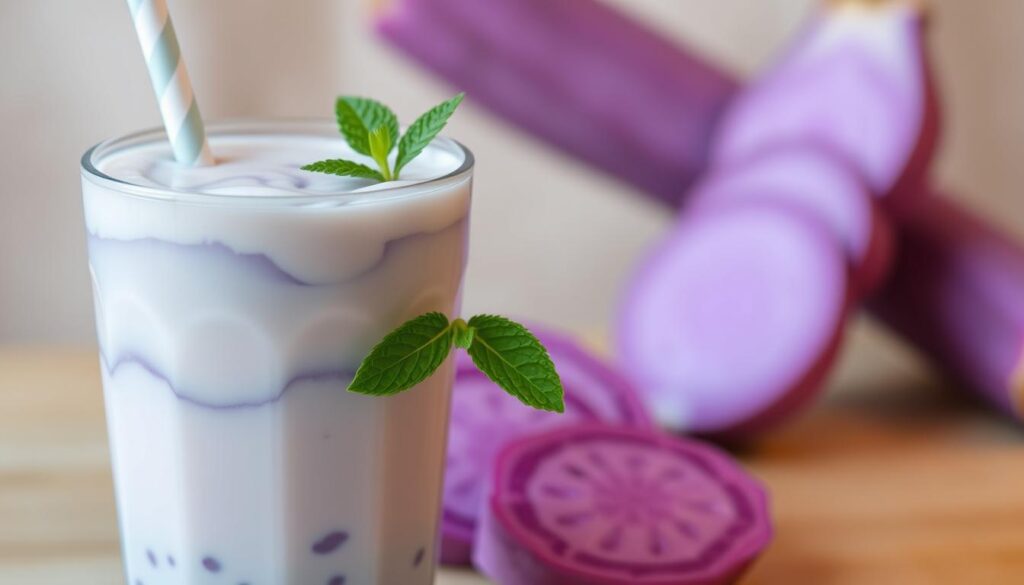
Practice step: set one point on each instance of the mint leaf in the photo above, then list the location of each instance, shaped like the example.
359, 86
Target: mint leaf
358, 116
405, 357
371, 129
344, 168
423, 130
502, 349
515, 360
380, 145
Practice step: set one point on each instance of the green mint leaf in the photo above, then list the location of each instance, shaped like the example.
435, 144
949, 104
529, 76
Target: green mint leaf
463, 334
380, 146
344, 168
515, 360
405, 357
423, 130
358, 116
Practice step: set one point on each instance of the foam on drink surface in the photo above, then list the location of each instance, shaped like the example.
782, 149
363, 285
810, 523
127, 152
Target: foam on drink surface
266, 165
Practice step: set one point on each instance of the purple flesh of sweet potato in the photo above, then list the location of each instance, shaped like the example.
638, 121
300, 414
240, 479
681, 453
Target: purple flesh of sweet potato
823, 185
856, 82
732, 322
592, 504
484, 419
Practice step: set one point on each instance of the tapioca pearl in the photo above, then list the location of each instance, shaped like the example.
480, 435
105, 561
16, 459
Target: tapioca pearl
151, 556
211, 564
171, 561
337, 580
417, 560
330, 542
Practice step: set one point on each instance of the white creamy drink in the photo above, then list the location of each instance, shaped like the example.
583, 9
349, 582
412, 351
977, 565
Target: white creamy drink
233, 305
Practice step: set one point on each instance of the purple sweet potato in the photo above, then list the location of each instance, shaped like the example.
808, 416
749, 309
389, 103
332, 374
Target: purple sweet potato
578, 75
596, 505
820, 183
731, 324
856, 82
484, 419
957, 292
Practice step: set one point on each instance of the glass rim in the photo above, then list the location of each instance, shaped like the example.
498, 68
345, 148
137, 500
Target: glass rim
261, 127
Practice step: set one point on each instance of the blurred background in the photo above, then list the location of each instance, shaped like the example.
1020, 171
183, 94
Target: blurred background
73, 75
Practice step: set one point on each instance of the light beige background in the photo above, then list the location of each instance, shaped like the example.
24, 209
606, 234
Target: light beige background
551, 240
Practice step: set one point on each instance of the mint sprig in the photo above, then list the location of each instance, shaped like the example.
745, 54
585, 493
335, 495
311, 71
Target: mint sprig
511, 356
371, 129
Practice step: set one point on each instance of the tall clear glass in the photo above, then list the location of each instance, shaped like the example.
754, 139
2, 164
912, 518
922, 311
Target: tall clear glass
229, 326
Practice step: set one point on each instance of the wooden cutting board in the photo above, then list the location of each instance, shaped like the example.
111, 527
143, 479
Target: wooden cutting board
892, 479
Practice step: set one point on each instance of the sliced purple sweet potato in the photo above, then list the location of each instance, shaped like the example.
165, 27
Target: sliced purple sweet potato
484, 419
578, 75
856, 82
957, 292
596, 505
820, 183
732, 322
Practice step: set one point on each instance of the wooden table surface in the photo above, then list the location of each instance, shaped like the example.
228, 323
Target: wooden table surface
892, 479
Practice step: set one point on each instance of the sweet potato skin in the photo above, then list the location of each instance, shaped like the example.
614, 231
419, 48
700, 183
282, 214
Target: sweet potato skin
957, 293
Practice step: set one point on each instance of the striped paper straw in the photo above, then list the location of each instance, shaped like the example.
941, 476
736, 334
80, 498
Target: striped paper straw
170, 81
